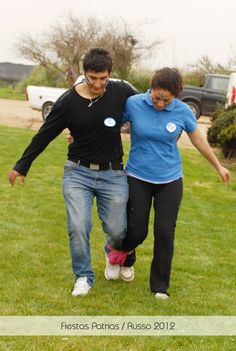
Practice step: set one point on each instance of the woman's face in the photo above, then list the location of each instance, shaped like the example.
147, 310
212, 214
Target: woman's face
161, 97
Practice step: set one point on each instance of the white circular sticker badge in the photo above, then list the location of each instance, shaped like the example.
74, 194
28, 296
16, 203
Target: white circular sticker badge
110, 122
171, 127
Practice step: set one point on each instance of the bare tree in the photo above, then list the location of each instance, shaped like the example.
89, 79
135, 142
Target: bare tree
196, 73
63, 46
205, 65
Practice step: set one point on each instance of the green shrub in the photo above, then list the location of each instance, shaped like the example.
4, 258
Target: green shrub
194, 78
228, 138
140, 79
222, 132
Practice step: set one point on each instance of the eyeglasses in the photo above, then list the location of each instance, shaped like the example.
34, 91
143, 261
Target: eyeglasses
157, 99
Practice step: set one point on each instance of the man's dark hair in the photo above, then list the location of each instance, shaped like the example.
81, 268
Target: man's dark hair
169, 79
97, 60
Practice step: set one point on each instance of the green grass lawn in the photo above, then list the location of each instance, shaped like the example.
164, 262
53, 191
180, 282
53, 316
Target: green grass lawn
7, 92
36, 276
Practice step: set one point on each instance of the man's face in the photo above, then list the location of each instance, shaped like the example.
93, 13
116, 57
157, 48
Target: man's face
97, 81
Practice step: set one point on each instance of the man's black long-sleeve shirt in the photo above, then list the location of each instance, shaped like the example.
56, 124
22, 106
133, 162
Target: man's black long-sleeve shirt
96, 129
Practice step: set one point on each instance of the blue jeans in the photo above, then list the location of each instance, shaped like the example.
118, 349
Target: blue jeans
80, 186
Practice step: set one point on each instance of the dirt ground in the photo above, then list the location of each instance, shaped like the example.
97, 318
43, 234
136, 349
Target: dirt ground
16, 113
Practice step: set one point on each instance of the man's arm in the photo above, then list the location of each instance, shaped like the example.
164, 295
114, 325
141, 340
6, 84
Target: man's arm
53, 126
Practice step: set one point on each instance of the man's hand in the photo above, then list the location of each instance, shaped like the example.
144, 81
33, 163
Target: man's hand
70, 139
12, 177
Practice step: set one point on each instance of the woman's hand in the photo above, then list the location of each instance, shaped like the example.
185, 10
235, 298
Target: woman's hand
224, 173
204, 148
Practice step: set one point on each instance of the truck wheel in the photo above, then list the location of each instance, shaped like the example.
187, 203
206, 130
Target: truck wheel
46, 109
195, 108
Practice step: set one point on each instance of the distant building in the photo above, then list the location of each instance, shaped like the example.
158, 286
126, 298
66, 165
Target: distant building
14, 72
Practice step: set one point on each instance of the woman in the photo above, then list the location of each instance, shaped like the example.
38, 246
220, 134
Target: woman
154, 172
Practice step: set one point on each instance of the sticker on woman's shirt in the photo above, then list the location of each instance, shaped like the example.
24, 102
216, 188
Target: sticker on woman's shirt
109, 122
171, 127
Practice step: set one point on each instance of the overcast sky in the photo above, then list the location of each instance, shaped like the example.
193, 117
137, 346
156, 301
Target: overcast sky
187, 28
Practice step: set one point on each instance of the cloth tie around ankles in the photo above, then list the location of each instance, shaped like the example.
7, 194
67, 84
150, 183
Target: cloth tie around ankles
116, 256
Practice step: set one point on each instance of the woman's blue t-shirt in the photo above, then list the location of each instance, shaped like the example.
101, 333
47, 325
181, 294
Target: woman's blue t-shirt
154, 155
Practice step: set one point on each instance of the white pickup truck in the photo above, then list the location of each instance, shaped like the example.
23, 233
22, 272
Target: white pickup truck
231, 91
42, 98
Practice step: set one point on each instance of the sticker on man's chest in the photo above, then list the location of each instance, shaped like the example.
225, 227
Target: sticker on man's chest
171, 127
109, 122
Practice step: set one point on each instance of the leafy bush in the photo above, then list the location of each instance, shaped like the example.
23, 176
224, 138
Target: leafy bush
140, 79
222, 132
194, 78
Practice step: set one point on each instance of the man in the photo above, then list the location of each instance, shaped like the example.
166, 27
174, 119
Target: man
92, 111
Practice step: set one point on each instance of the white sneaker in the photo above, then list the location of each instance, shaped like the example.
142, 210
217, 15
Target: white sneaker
127, 273
112, 271
81, 287
161, 296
